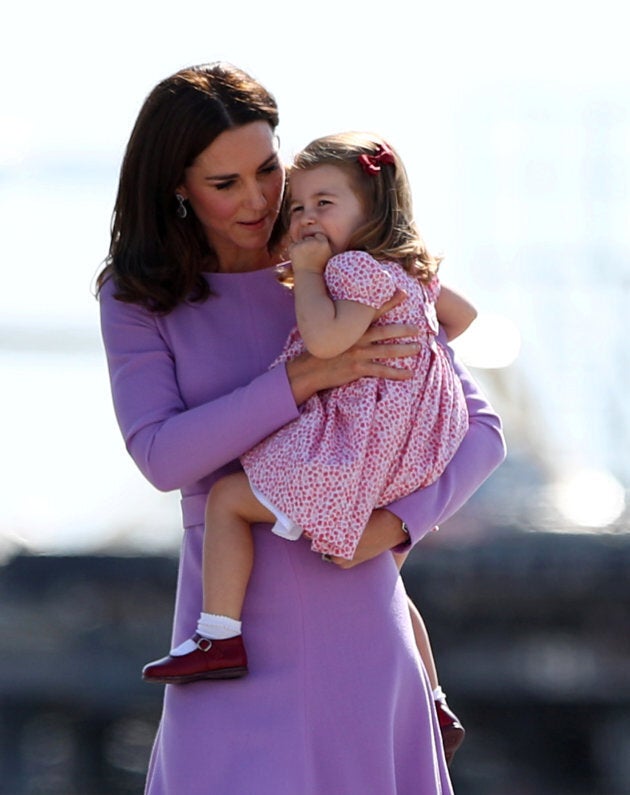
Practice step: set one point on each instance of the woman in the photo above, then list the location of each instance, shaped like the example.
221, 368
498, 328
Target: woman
192, 317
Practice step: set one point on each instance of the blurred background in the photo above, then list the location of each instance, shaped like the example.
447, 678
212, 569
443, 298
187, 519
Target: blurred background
513, 121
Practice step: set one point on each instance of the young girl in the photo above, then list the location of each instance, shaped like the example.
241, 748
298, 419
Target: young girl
361, 446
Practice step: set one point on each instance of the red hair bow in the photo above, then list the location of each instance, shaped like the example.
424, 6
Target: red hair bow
371, 164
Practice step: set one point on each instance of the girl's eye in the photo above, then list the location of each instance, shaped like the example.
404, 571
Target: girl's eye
295, 209
323, 202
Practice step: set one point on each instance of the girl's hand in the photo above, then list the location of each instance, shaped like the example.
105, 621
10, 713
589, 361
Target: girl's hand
382, 533
310, 254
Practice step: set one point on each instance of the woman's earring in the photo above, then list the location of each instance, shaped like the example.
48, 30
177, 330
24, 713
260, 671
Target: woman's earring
181, 210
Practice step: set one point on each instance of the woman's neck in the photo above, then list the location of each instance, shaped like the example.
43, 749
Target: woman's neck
244, 261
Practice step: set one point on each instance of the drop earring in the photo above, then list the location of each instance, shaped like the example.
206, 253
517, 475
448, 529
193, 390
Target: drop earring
181, 210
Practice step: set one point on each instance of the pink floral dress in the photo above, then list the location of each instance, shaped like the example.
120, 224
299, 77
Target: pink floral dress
364, 445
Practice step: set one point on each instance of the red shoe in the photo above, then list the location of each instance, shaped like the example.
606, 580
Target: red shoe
453, 732
212, 659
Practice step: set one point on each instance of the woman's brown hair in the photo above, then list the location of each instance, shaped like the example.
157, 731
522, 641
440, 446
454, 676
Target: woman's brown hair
156, 258
390, 232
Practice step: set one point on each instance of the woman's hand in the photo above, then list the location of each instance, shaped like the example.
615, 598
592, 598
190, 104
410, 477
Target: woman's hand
382, 533
397, 298
308, 374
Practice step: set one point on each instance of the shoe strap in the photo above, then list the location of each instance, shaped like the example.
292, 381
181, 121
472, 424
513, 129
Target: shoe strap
203, 644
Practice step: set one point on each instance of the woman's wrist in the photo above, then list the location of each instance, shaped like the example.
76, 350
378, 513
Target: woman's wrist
302, 373
383, 533
393, 528
404, 538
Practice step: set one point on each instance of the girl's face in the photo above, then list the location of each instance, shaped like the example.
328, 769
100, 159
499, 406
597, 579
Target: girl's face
235, 189
323, 200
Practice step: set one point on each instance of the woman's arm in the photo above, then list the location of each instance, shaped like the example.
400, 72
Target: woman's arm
308, 374
480, 453
174, 445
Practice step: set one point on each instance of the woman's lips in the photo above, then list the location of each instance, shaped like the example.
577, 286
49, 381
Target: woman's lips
259, 223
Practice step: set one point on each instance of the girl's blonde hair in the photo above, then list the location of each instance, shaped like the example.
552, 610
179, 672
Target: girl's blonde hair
390, 232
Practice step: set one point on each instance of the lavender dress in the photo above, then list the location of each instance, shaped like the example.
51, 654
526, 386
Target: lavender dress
330, 706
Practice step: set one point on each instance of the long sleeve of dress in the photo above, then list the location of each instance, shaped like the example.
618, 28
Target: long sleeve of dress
173, 443
480, 453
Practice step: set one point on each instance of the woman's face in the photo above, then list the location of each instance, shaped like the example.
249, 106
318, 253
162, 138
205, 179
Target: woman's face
235, 189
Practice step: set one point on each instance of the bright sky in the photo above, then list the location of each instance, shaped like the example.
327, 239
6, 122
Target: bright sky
74, 75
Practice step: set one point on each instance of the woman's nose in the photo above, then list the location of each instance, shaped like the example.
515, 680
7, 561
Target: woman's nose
256, 197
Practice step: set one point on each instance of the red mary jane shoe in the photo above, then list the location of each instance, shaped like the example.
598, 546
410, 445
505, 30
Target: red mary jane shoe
212, 659
453, 732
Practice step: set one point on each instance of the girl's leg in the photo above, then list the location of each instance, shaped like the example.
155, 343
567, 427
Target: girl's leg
423, 643
453, 732
420, 634
228, 548
217, 651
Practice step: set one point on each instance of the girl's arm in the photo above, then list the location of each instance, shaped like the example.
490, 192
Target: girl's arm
455, 313
327, 327
308, 374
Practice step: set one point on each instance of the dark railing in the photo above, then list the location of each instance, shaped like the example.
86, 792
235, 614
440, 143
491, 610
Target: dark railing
530, 631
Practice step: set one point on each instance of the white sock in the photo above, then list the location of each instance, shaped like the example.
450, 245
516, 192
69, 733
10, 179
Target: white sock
438, 693
184, 648
218, 627
212, 627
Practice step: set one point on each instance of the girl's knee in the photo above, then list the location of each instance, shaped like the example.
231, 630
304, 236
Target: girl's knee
227, 493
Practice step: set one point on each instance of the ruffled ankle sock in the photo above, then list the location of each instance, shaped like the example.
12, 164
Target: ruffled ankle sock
218, 627
210, 626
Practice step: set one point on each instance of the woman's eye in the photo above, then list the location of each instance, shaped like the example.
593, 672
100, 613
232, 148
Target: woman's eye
224, 185
271, 168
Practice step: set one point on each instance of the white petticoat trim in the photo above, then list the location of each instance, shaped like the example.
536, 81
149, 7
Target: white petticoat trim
284, 527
